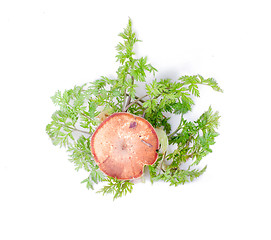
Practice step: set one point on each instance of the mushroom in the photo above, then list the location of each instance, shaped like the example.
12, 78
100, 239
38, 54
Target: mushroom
123, 144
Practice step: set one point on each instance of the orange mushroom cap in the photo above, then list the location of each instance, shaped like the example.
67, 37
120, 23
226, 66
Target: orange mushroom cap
122, 144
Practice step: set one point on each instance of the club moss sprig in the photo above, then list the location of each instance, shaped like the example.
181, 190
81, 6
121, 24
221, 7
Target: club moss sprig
82, 108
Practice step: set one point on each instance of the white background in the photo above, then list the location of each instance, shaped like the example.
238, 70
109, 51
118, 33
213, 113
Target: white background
51, 45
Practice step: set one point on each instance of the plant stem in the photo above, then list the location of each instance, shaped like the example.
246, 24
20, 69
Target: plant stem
173, 133
144, 113
85, 116
139, 103
127, 100
132, 103
124, 101
142, 101
178, 128
129, 96
75, 129
162, 162
78, 130
136, 97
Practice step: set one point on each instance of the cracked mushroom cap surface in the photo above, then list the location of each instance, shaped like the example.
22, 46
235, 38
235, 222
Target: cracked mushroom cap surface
122, 144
